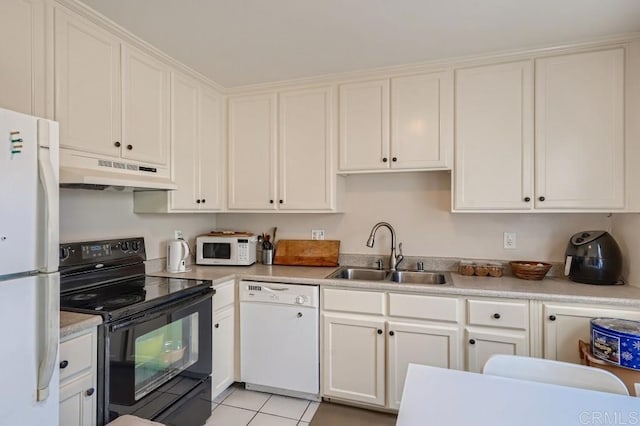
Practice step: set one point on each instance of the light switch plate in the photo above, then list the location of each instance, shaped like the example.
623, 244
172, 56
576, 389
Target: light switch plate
317, 234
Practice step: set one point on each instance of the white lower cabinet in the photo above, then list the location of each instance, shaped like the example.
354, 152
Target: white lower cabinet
564, 325
224, 337
78, 374
483, 343
354, 358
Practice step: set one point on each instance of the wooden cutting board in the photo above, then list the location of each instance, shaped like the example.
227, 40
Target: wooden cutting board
307, 252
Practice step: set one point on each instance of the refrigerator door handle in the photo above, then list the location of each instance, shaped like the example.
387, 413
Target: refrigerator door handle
51, 302
51, 191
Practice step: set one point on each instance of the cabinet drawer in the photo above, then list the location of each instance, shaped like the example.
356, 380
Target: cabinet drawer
364, 302
77, 353
225, 295
493, 313
423, 307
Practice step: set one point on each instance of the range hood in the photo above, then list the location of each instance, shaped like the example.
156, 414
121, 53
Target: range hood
84, 178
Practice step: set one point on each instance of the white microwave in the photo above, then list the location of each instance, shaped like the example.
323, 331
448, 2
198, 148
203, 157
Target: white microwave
226, 249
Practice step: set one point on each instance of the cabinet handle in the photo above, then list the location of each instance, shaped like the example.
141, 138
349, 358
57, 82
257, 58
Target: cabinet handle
216, 325
198, 201
552, 317
64, 364
90, 391
117, 144
527, 199
379, 331
496, 316
391, 333
394, 159
384, 159
129, 147
472, 341
541, 198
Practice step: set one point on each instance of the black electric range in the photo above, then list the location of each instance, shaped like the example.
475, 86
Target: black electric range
154, 345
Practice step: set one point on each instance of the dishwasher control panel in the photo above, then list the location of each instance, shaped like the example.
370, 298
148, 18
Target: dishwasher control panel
287, 294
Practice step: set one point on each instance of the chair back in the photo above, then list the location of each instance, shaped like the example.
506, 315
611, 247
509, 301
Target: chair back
554, 372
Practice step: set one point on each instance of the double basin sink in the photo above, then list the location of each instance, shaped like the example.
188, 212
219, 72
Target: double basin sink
406, 277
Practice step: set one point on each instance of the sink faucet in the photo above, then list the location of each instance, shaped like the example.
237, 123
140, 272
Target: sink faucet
394, 260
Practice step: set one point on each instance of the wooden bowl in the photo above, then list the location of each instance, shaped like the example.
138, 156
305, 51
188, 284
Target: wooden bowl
528, 270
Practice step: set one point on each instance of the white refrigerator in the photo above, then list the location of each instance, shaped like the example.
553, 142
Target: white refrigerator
29, 279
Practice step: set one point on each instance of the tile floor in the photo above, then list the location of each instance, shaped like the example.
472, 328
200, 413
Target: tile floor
239, 407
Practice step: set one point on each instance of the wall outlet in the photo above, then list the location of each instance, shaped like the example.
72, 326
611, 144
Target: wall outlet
317, 234
177, 235
510, 240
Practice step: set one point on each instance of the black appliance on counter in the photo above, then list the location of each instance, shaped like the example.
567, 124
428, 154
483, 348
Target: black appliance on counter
154, 345
593, 257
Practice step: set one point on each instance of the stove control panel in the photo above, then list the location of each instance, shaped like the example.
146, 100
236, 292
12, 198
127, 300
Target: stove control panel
103, 251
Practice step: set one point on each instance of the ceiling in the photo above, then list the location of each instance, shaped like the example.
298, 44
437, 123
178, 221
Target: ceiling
241, 42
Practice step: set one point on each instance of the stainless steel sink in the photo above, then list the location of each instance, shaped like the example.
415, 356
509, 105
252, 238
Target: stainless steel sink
411, 277
363, 274
408, 277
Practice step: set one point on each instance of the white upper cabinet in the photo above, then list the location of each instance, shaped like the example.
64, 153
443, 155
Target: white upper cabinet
22, 56
580, 131
87, 75
364, 126
494, 137
145, 125
197, 159
281, 151
402, 123
252, 152
576, 161
305, 150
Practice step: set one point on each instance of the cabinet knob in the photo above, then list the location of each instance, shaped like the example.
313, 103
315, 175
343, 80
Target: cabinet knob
541, 198
496, 315
129, 147
198, 201
90, 391
527, 199
384, 159
394, 159
281, 201
391, 333
117, 144
472, 341
216, 325
204, 201
270, 201
379, 331
552, 317
64, 364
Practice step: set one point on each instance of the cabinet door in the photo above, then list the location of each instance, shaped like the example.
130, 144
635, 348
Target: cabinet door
22, 56
433, 345
494, 137
364, 126
78, 402
421, 121
580, 130
184, 140
145, 91
354, 359
223, 350
252, 152
305, 150
87, 81
210, 158
483, 343
564, 325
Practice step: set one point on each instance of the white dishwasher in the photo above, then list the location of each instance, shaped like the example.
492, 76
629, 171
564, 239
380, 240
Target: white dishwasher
279, 338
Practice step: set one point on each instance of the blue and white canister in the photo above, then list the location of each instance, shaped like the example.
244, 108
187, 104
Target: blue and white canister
616, 341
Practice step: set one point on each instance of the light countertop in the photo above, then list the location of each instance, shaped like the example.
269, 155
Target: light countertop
549, 289
73, 322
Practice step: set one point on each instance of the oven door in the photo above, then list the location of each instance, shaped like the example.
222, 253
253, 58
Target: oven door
216, 251
157, 358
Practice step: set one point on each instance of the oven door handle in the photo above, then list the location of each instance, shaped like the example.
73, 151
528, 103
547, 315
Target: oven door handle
161, 310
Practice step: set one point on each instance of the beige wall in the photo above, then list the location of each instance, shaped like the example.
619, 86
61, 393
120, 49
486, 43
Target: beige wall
626, 231
88, 215
417, 205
